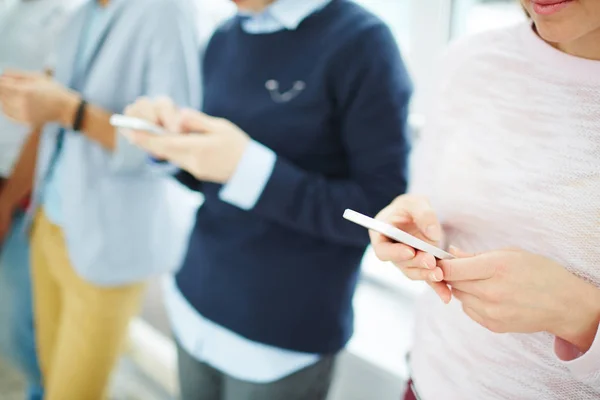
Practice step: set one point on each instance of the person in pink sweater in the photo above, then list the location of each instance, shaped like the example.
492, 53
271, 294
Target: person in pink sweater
507, 175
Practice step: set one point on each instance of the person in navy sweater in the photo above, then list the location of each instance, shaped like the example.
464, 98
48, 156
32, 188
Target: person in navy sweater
305, 115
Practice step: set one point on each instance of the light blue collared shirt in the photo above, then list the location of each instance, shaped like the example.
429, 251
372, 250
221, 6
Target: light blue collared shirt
114, 208
206, 341
52, 194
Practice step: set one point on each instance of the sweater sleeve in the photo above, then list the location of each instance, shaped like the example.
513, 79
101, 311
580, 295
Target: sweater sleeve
188, 180
372, 90
585, 367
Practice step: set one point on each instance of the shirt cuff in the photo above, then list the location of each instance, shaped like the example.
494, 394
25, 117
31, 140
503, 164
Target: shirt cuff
250, 177
586, 367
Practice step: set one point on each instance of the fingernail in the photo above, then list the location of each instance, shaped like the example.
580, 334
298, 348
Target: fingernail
433, 232
408, 254
436, 276
401, 219
425, 265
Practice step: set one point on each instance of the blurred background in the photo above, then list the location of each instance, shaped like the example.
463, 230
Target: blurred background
373, 367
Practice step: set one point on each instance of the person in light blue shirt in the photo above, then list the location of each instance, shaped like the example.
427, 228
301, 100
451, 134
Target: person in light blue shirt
100, 220
305, 108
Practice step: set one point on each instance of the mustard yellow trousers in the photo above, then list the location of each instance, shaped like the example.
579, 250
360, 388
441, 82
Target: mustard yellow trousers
80, 328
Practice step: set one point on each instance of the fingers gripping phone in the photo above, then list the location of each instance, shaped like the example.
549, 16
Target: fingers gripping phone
135, 124
396, 234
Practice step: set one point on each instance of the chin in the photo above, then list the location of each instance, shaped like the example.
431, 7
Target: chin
239, 3
558, 32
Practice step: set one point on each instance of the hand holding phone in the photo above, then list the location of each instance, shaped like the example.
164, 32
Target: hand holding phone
137, 124
415, 257
396, 234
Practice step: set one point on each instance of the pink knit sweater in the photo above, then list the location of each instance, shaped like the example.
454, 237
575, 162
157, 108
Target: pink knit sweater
510, 158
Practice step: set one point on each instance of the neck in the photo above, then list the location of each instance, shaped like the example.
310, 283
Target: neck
587, 46
259, 6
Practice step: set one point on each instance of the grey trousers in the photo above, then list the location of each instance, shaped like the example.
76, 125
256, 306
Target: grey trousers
200, 381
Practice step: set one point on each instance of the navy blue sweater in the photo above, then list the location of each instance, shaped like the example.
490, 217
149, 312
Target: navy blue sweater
284, 273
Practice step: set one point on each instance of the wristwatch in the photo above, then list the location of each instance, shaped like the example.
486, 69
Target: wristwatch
78, 120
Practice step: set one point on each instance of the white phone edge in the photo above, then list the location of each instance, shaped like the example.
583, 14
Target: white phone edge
124, 122
394, 233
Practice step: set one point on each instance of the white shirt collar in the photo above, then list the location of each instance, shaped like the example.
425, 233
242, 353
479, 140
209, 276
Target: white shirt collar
291, 13
283, 14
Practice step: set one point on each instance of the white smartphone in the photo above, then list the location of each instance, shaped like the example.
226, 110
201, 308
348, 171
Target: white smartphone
135, 124
396, 234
